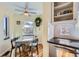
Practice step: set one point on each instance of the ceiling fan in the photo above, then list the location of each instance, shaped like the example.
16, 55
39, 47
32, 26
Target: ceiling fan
26, 10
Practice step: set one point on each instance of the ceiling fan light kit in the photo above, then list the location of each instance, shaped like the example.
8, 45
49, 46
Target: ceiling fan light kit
26, 14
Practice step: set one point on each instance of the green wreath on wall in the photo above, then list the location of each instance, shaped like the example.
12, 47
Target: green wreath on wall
38, 21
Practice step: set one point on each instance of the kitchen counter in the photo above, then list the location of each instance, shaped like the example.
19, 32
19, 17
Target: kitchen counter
74, 38
71, 47
63, 45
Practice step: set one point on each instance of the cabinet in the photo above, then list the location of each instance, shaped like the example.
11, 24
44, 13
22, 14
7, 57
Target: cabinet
64, 11
64, 15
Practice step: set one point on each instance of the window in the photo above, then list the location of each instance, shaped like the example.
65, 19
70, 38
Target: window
6, 27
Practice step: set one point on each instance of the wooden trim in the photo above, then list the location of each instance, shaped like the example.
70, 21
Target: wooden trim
5, 53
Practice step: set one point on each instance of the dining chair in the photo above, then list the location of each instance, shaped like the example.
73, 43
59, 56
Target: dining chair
34, 44
15, 46
26, 49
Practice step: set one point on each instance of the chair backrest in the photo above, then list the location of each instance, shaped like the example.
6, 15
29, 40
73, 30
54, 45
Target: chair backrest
35, 41
13, 41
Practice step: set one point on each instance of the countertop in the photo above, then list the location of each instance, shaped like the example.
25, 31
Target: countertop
55, 41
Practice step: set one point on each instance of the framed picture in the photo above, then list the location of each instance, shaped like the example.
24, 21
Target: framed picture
18, 22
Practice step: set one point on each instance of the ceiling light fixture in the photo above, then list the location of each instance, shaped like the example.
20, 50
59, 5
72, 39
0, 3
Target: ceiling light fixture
26, 13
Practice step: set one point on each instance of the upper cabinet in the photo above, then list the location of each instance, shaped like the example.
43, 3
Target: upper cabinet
63, 11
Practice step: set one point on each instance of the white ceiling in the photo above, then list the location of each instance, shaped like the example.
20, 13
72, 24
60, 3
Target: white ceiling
11, 6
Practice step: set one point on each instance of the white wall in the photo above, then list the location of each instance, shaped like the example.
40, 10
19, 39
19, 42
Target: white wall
44, 29
4, 44
50, 30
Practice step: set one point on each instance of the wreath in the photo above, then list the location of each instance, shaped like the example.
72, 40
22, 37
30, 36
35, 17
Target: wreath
38, 21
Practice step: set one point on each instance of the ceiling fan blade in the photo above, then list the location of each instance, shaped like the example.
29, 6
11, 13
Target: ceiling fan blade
20, 7
31, 9
19, 10
20, 14
33, 12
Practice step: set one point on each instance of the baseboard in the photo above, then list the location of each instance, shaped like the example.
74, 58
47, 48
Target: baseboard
5, 53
